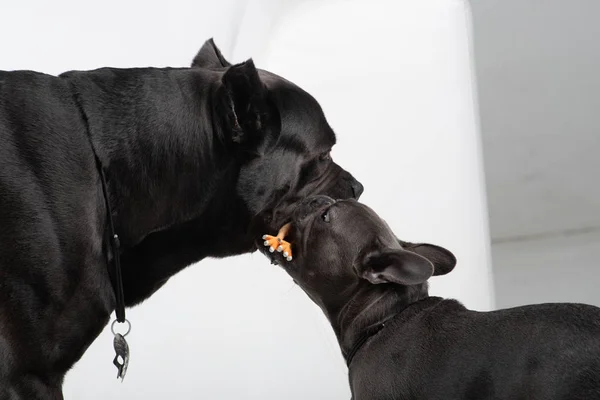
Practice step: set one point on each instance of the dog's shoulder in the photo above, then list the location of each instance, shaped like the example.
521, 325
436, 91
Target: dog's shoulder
26, 81
437, 307
30, 100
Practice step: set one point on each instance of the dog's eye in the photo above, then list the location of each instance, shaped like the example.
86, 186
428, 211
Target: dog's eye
325, 156
325, 216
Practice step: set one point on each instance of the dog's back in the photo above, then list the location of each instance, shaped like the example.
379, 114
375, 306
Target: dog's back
441, 350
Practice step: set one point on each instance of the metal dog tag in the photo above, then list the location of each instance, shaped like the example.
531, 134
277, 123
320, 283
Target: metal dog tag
121, 360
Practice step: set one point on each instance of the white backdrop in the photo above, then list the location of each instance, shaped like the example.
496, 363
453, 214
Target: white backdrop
395, 80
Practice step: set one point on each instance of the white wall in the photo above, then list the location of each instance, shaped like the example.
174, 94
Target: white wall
537, 67
394, 78
54, 36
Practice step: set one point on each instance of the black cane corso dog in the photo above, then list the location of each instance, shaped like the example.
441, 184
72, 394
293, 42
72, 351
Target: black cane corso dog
399, 343
200, 162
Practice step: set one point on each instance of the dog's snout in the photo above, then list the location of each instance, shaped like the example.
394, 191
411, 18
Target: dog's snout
311, 205
354, 186
357, 188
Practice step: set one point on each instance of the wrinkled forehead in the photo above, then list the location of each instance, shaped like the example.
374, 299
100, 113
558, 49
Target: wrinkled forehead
360, 220
302, 119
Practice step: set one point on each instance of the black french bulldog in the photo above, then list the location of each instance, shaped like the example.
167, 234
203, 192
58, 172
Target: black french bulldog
400, 343
200, 162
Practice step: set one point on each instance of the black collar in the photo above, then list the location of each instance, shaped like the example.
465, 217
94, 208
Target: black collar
114, 238
375, 329
115, 247
366, 335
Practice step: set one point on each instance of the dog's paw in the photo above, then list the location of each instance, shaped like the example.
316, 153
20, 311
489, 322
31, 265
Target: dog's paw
282, 246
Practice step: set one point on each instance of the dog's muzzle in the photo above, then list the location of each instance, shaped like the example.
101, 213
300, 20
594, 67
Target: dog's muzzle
311, 205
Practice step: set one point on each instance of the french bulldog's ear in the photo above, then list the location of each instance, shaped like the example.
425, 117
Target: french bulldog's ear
395, 266
210, 56
443, 260
247, 101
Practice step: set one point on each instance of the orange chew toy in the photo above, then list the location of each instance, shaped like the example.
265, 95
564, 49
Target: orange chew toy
277, 242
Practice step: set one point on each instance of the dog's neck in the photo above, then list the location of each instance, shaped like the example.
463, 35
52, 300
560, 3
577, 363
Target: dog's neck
164, 155
170, 170
369, 306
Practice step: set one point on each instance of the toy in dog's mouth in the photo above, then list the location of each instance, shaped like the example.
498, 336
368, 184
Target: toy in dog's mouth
277, 243
302, 218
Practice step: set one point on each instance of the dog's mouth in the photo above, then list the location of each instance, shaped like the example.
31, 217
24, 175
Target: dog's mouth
281, 248
304, 222
290, 242
273, 224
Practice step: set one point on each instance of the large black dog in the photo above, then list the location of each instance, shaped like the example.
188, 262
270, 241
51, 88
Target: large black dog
400, 343
200, 162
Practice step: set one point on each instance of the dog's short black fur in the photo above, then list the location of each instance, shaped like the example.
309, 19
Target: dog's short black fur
200, 162
372, 286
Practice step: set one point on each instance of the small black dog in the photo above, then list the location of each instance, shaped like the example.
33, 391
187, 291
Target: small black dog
400, 343
200, 162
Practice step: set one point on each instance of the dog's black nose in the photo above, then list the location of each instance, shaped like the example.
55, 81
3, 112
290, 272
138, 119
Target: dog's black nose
357, 188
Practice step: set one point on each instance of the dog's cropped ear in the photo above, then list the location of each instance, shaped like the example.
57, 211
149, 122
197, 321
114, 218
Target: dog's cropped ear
394, 266
246, 101
443, 260
210, 56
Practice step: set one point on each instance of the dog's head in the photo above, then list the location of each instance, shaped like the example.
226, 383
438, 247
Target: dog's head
281, 139
340, 245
